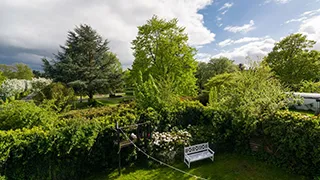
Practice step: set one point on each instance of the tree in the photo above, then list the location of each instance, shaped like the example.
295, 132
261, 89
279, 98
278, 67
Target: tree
16, 71
38, 74
214, 67
248, 95
161, 50
292, 60
85, 62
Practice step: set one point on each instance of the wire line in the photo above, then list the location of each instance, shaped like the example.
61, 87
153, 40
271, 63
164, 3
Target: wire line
162, 163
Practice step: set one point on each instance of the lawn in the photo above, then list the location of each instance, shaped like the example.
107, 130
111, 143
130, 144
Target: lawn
225, 166
104, 99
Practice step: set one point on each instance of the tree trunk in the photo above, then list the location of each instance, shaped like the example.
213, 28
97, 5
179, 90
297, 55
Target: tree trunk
90, 97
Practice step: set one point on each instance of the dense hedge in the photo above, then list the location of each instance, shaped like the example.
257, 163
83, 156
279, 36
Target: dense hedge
295, 141
82, 142
69, 149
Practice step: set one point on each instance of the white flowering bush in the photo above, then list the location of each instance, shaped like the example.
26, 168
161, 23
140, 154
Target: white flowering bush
13, 87
37, 84
169, 145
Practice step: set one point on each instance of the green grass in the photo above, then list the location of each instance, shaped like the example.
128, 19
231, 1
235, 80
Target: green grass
105, 100
225, 166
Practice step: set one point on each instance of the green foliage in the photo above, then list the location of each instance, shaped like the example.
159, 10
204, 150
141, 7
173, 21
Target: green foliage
310, 87
69, 149
86, 63
20, 114
295, 141
56, 95
214, 67
161, 50
2, 78
82, 141
292, 57
221, 80
16, 71
148, 94
249, 94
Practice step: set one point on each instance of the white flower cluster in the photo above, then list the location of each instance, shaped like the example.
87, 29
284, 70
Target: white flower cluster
168, 140
167, 144
12, 87
37, 84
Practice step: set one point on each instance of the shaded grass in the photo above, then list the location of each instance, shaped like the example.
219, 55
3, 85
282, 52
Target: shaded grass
105, 101
225, 166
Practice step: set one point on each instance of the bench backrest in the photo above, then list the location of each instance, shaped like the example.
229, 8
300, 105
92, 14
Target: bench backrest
196, 148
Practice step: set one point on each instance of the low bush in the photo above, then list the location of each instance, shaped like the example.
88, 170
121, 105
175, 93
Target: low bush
168, 146
56, 94
20, 114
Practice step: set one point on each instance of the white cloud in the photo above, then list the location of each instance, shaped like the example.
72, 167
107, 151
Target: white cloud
226, 42
296, 20
245, 28
229, 42
253, 50
224, 12
226, 6
311, 13
277, 1
311, 28
304, 16
43, 24
203, 57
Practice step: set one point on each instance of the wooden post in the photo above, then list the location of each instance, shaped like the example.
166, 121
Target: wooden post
119, 149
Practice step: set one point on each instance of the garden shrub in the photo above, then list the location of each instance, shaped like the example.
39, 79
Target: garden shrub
168, 146
20, 114
295, 141
309, 87
56, 94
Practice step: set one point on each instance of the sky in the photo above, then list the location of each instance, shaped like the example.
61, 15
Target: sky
242, 30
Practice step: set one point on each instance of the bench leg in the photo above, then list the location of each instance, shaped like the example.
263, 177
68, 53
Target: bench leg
212, 158
187, 163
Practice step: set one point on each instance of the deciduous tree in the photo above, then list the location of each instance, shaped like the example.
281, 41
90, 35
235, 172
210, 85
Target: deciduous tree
214, 67
292, 60
16, 71
161, 50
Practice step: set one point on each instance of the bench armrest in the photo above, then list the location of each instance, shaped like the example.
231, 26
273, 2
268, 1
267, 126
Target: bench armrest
210, 151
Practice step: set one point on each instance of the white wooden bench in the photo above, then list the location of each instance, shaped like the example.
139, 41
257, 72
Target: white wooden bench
197, 152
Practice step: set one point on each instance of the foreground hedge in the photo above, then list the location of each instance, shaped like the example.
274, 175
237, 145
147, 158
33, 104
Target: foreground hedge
295, 142
82, 142
70, 149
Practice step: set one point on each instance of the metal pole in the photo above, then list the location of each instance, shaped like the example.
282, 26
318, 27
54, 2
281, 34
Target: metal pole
119, 149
